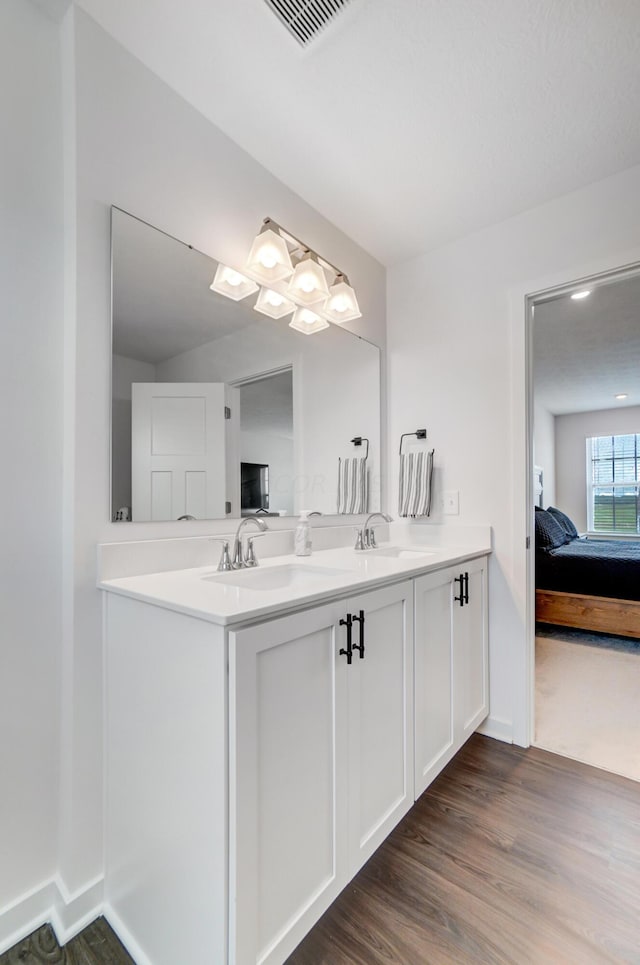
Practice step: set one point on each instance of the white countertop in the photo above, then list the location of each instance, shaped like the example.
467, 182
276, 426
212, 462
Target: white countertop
205, 593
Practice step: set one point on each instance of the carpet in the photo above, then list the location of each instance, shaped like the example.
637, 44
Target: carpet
587, 703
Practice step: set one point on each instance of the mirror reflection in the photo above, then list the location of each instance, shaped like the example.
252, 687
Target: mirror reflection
218, 410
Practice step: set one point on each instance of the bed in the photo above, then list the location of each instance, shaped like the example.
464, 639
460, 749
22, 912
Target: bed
590, 584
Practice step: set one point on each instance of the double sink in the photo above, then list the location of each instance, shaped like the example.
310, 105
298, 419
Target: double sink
305, 576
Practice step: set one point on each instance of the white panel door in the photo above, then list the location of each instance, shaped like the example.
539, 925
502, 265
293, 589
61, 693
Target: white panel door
380, 703
434, 727
177, 450
470, 642
288, 848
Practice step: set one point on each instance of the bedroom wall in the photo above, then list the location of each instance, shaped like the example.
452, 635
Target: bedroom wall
544, 450
31, 268
456, 364
572, 431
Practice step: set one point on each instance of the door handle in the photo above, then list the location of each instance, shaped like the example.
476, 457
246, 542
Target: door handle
460, 580
360, 646
466, 588
348, 653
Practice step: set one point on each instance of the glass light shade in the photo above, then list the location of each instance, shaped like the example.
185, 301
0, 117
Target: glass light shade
231, 283
342, 305
307, 322
308, 284
273, 304
269, 258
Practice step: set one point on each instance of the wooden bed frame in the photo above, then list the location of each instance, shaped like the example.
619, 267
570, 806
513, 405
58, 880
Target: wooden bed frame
600, 613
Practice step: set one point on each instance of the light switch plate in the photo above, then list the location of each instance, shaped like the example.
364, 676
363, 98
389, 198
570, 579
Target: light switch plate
451, 502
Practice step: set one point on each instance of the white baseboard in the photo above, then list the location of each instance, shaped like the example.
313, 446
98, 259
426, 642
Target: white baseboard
73, 912
497, 728
125, 936
51, 902
25, 914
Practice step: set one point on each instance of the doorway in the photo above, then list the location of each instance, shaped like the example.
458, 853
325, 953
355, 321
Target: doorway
583, 365
266, 443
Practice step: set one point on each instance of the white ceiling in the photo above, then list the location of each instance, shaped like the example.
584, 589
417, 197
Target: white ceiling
411, 122
585, 352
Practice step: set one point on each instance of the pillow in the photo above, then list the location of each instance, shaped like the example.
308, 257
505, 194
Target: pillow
549, 532
567, 524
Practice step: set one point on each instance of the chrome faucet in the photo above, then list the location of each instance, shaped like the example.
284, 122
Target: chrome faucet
366, 539
239, 561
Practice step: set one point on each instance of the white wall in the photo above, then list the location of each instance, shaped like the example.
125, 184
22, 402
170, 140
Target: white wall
276, 451
572, 431
544, 450
456, 365
136, 144
31, 268
336, 380
124, 372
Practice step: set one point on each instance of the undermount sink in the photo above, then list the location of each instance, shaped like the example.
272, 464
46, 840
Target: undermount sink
288, 575
401, 552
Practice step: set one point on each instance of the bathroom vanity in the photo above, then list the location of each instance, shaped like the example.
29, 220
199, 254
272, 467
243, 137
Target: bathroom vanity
266, 729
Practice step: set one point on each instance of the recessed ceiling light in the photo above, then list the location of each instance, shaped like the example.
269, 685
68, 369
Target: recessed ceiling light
578, 295
622, 395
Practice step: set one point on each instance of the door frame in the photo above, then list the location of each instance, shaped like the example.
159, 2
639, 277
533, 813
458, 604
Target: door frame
522, 300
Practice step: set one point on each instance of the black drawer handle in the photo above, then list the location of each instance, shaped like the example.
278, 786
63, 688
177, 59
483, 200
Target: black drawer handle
466, 587
348, 653
460, 599
360, 646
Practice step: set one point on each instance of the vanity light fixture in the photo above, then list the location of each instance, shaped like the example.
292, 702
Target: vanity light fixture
292, 275
622, 395
269, 259
273, 304
342, 304
307, 322
577, 296
308, 284
231, 283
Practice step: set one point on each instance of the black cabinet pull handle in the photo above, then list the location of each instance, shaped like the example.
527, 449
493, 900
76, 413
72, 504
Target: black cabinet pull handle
360, 646
466, 587
460, 580
348, 653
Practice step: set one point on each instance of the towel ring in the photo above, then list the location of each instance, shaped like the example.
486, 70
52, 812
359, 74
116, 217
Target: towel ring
358, 440
419, 434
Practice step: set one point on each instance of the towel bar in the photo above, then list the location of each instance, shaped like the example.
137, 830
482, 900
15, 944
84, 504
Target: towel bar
419, 434
358, 440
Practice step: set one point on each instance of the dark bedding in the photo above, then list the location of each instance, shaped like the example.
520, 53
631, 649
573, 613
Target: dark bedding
609, 568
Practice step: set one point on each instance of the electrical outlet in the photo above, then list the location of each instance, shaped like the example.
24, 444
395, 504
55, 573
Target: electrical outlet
451, 502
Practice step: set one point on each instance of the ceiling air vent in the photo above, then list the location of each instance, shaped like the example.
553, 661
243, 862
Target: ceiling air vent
306, 18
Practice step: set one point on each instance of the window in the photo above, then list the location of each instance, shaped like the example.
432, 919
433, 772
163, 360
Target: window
613, 484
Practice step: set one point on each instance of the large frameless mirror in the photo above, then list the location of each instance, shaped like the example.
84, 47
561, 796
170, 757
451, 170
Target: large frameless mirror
218, 410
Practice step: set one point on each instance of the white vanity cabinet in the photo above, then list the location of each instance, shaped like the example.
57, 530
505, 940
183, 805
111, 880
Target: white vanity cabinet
254, 764
321, 759
451, 664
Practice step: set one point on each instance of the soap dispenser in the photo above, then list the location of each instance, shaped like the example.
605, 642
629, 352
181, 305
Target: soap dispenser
302, 538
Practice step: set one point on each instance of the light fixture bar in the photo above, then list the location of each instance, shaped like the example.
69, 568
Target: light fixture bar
301, 245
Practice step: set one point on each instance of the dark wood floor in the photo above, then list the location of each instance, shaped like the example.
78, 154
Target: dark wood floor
96, 945
511, 856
